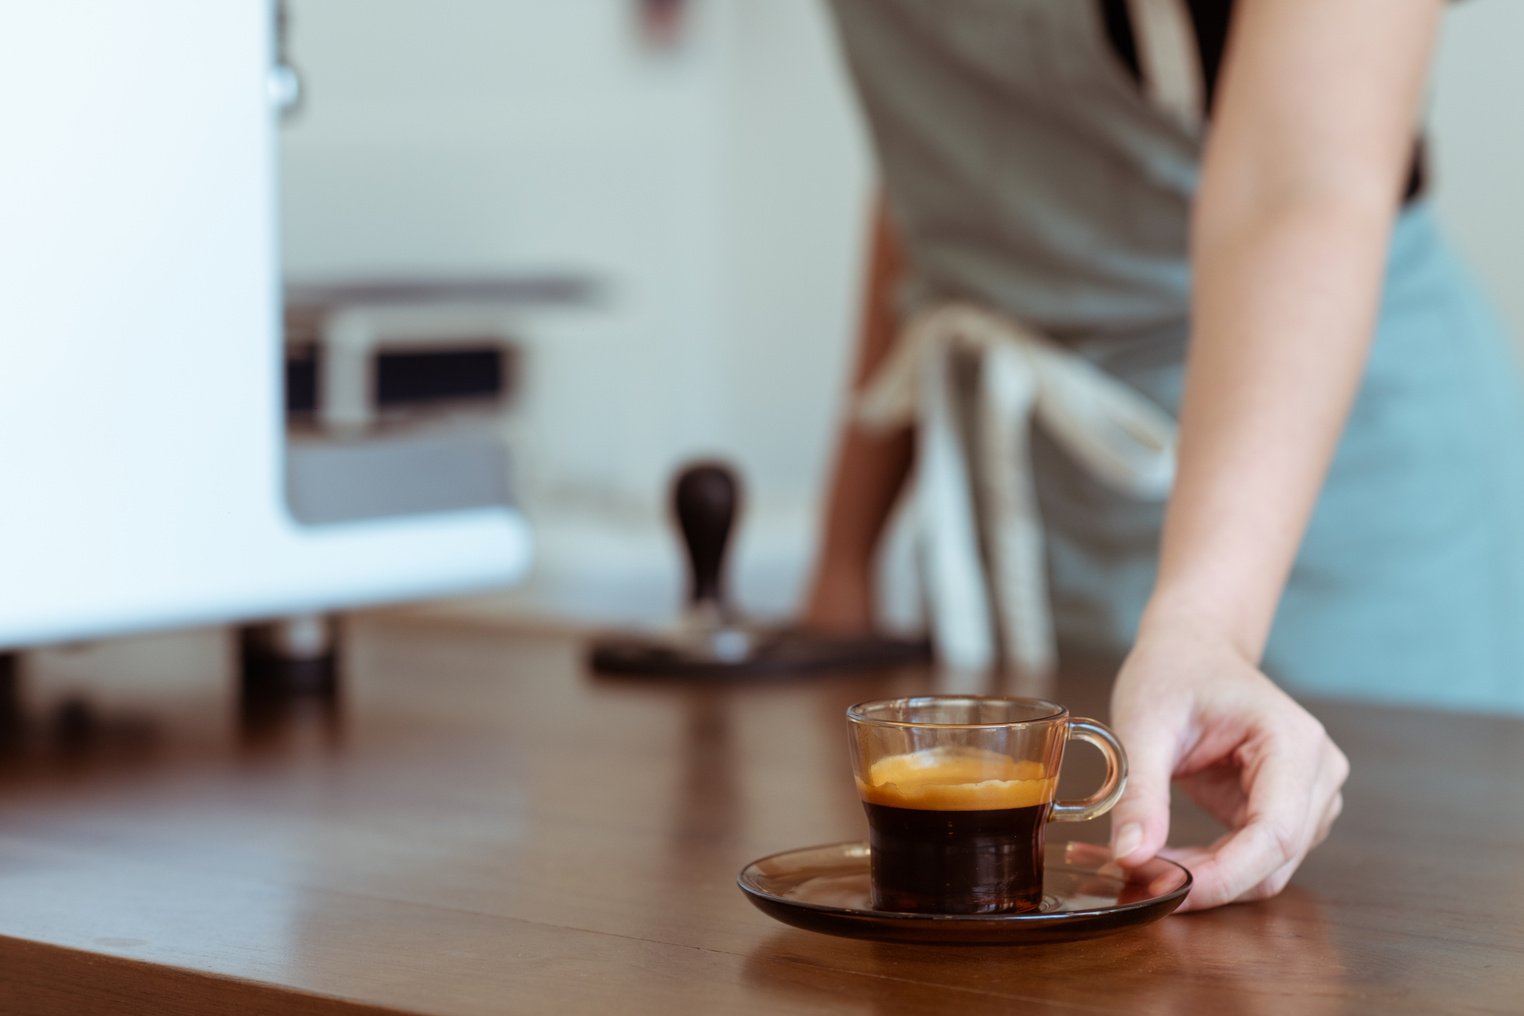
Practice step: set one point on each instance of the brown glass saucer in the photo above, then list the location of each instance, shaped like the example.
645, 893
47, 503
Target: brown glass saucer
825, 889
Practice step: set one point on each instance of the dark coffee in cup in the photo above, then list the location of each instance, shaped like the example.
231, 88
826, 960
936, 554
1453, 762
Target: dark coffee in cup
959, 790
956, 831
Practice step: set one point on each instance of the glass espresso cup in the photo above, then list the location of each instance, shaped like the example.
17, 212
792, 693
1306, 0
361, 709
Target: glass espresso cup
959, 790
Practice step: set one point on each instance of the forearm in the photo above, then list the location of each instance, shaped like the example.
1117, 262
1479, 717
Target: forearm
866, 479
869, 468
1286, 298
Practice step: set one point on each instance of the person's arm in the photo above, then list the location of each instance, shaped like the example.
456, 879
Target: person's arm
869, 468
1300, 185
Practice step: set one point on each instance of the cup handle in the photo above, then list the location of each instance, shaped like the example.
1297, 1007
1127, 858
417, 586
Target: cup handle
1100, 802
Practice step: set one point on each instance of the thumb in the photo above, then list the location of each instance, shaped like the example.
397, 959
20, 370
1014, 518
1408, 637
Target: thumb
1140, 821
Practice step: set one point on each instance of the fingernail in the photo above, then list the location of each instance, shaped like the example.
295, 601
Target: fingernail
1128, 839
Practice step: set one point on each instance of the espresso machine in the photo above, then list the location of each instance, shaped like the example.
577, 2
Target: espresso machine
150, 482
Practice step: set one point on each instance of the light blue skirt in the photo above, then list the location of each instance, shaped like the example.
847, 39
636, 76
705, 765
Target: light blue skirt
1409, 586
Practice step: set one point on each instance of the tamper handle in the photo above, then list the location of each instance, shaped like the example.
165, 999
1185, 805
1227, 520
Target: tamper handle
705, 499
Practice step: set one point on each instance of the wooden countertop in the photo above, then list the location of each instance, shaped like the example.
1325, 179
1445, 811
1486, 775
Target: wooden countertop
483, 827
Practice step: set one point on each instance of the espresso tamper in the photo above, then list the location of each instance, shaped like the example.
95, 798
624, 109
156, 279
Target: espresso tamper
710, 638
705, 503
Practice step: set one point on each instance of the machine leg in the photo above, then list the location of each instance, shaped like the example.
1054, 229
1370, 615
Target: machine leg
293, 657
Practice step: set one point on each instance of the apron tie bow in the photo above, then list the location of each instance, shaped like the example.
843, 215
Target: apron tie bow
1120, 437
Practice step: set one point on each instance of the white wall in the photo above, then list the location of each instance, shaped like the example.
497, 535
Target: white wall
499, 138
1478, 149
799, 179
719, 190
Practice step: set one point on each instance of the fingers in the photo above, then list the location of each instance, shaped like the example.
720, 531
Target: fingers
1331, 812
1245, 860
1293, 801
1140, 820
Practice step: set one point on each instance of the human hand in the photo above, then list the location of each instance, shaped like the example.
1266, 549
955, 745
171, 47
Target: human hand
1191, 708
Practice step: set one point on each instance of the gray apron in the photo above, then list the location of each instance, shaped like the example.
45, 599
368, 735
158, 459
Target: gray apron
1030, 176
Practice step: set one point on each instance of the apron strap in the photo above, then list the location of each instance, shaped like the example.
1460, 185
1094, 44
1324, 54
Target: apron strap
1170, 59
